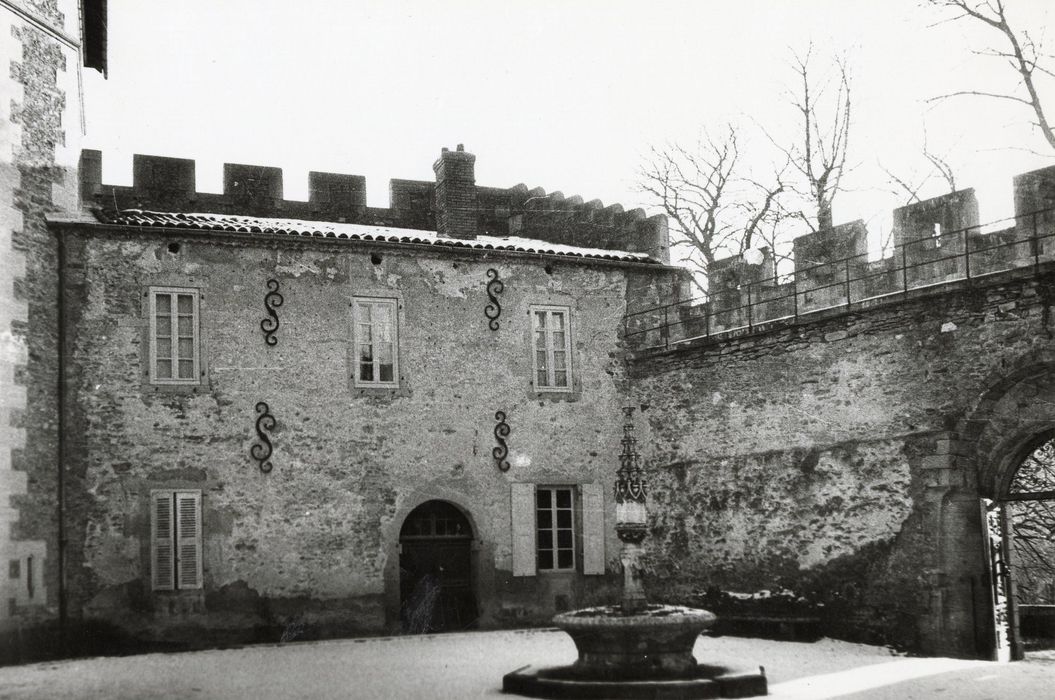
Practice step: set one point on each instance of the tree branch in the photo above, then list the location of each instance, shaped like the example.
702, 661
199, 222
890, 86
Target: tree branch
978, 93
1020, 45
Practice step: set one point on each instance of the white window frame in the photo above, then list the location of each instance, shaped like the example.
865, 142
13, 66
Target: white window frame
184, 576
174, 293
550, 385
553, 528
376, 382
588, 528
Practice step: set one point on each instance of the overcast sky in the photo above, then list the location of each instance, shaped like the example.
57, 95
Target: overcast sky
564, 94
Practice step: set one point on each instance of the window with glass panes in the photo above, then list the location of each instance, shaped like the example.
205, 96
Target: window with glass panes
174, 336
555, 527
375, 342
552, 348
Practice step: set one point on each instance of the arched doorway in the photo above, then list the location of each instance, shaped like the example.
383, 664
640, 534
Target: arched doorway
435, 570
1022, 552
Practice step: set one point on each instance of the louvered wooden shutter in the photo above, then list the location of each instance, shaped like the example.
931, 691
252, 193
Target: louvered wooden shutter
592, 529
162, 555
188, 539
522, 498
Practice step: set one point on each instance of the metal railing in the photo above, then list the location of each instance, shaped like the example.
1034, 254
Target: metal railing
1022, 241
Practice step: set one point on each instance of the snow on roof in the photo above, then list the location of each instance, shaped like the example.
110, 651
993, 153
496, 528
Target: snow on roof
329, 229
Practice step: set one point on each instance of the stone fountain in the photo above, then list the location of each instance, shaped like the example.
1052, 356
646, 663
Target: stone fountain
634, 649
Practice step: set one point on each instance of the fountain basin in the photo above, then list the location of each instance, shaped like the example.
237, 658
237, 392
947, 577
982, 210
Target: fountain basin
643, 655
656, 642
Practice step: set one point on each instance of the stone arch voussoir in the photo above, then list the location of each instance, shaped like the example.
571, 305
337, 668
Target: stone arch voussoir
1004, 420
390, 539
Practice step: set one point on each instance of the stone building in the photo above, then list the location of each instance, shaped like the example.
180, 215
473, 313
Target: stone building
307, 417
439, 377
235, 416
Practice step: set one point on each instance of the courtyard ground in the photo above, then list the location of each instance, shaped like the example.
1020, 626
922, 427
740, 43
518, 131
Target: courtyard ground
471, 665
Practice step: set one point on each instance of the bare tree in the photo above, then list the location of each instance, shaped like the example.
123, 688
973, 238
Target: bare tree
1033, 543
1032, 526
910, 191
938, 166
1020, 51
819, 152
715, 208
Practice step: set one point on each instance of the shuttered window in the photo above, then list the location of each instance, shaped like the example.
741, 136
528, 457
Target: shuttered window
551, 348
592, 529
546, 533
94, 34
175, 353
175, 553
163, 553
374, 329
523, 517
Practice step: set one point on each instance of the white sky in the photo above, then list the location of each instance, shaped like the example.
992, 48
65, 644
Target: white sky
564, 94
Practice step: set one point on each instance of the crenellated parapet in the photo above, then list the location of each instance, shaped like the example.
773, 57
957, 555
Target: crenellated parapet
928, 219
571, 220
169, 184
828, 247
935, 242
1035, 192
931, 241
453, 205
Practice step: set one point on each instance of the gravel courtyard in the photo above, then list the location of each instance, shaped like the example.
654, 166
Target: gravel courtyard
471, 665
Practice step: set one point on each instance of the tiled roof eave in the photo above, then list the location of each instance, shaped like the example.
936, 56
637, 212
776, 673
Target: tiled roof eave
219, 230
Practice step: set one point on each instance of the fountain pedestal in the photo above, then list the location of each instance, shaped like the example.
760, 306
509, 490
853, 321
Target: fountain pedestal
634, 650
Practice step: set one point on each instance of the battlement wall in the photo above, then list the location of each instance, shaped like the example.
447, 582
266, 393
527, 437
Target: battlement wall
934, 240
454, 205
824, 457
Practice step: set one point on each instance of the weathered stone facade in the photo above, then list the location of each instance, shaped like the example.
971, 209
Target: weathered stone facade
315, 543
843, 454
39, 143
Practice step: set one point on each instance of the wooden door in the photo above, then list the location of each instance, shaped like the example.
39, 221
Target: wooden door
435, 577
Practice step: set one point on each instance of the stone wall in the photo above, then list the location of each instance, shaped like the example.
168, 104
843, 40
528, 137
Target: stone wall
39, 128
840, 458
316, 539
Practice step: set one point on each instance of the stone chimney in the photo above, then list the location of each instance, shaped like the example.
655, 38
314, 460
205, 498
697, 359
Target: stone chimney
457, 208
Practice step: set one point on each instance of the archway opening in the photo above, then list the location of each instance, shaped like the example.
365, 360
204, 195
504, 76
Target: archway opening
1027, 557
436, 591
